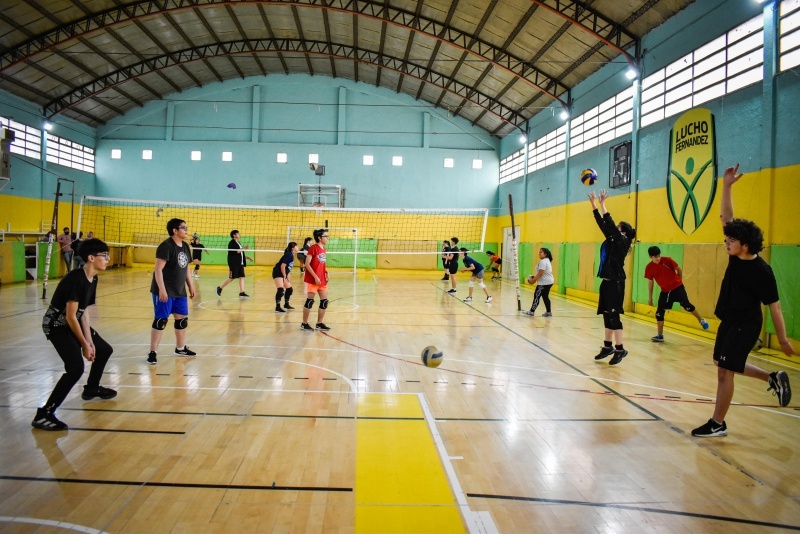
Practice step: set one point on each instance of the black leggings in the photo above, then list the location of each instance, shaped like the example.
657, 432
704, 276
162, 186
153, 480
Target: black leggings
542, 292
69, 349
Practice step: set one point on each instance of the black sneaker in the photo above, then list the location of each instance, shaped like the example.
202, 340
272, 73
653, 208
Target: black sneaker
279, 309
244, 295
151, 358
286, 306
452, 291
779, 385
306, 326
605, 352
46, 420
618, 355
712, 429
99, 391
323, 327
219, 291
185, 351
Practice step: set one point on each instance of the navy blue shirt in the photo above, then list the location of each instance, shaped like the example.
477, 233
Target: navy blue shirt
469, 262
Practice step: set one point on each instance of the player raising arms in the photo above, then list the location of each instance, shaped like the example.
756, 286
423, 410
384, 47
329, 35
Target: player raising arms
748, 282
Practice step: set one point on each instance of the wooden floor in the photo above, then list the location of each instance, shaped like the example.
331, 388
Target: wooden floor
272, 429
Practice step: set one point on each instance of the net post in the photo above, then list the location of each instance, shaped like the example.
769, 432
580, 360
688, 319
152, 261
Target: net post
514, 252
53, 225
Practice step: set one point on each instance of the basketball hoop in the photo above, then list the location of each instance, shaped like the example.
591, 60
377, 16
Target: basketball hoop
318, 206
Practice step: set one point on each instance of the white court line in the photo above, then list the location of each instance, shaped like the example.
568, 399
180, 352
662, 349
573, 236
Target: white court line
49, 523
265, 310
477, 522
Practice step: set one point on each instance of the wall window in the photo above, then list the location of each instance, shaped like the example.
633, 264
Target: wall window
548, 149
116, 153
512, 166
227, 156
449, 163
601, 124
69, 154
197, 155
27, 140
313, 158
147, 154
282, 157
789, 34
397, 161
368, 160
477, 164
726, 64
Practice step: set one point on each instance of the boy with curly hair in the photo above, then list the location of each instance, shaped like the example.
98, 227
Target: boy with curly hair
748, 282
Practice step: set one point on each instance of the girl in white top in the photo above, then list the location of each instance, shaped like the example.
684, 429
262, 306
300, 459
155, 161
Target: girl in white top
544, 280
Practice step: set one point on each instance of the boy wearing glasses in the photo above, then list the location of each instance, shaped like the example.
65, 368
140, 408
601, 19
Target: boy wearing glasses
66, 325
316, 279
170, 278
748, 282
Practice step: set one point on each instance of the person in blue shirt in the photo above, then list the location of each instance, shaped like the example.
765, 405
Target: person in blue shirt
477, 274
280, 274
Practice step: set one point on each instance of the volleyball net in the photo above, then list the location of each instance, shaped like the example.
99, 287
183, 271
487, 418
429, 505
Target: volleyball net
357, 237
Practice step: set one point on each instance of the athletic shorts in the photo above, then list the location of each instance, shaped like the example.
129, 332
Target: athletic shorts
313, 288
179, 305
734, 343
235, 271
612, 296
479, 274
452, 267
667, 299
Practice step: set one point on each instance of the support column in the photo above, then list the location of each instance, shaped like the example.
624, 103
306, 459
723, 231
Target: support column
341, 128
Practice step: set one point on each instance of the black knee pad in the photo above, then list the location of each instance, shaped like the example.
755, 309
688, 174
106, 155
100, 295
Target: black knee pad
181, 324
309, 303
612, 321
279, 294
659, 315
689, 307
289, 293
196, 267
159, 324
323, 304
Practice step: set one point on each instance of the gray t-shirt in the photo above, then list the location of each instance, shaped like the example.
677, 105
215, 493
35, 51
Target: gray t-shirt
547, 278
177, 258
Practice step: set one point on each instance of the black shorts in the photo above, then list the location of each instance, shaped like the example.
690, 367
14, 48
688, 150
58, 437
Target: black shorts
612, 296
734, 343
236, 271
452, 267
667, 299
276, 271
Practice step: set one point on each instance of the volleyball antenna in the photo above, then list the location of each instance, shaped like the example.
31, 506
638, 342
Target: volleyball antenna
515, 263
54, 232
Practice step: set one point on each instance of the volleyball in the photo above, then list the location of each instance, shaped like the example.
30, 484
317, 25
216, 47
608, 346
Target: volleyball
588, 176
431, 356
529, 279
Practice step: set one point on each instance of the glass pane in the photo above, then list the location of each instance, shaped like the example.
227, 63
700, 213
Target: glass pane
653, 92
709, 49
709, 94
745, 79
678, 93
653, 117
653, 78
679, 65
754, 42
709, 63
790, 41
711, 78
753, 25
679, 79
790, 60
677, 107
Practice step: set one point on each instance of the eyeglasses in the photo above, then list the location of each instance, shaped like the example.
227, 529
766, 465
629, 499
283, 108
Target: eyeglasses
105, 255
183, 228
326, 235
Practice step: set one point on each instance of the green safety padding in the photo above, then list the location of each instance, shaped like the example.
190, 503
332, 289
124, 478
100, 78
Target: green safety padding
785, 263
19, 261
55, 258
220, 257
367, 258
641, 259
526, 260
561, 269
571, 263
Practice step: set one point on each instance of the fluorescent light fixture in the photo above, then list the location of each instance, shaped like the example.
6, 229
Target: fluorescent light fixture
368, 160
477, 164
147, 154
227, 156
282, 157
631, 73
523, 138
48, 126
397, 161
449, 163
196, 155
564, 115
116, 153
313, 158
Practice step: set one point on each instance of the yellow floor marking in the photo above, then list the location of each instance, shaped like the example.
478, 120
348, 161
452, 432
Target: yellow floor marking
401, 485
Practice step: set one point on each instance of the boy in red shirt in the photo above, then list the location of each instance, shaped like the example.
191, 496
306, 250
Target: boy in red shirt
316, 279
668, 274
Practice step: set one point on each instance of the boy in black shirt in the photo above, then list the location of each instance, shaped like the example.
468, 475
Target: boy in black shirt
452, 264
168, 288
612, 270
197, 254
66, 325
236, 264
748, 283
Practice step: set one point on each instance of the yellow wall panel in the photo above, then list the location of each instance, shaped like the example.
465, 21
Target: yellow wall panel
586, 269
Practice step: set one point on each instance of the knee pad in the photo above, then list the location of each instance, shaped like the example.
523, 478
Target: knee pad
279, 294
181, 324
309, 303
159, 324
471, 283
481, 285
323, 304
196, 267
689, 307
659, 315
289, 293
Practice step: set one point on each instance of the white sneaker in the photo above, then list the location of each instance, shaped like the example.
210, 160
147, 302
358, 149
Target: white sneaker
195, 276
488, 299
527, 312
468, 299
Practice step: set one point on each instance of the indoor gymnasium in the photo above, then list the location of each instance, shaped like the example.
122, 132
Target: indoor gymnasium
412, 266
